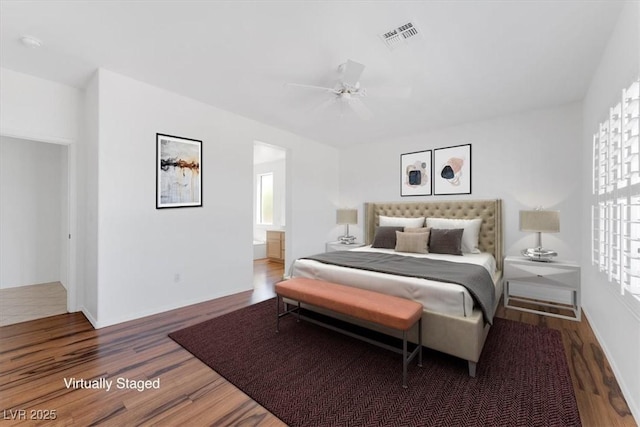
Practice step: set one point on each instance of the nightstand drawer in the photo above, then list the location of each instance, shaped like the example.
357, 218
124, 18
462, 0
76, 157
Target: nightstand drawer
540, 292
543, 274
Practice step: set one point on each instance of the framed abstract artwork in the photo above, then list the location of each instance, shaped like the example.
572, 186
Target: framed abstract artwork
452, 170
415, 173
178, 172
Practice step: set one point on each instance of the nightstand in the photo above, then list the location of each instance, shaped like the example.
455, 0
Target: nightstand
338, 246
526, 281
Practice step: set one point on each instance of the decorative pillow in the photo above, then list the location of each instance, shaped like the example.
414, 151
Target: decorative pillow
412, 242
471, 231
392, 221
385, 237
446, 241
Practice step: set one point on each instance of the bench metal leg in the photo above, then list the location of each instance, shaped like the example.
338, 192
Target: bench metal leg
405, 362
406, 358
277, 313
286, 311
420, 342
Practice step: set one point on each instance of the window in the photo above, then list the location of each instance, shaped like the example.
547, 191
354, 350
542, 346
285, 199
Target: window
265, 199
616, 186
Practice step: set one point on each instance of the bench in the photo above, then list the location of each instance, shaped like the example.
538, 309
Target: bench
385, 310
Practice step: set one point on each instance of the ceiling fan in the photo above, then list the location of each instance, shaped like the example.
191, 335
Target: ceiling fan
346, 92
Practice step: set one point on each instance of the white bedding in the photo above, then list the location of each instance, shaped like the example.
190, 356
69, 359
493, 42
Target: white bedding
447, 298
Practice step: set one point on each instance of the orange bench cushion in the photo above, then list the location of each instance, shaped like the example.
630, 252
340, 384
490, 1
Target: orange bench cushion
393, 312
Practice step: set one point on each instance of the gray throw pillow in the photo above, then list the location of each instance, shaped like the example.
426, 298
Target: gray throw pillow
385, 237
446, 241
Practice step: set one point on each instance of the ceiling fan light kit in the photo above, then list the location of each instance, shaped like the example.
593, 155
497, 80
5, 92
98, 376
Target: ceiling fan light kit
351, 72
347, 89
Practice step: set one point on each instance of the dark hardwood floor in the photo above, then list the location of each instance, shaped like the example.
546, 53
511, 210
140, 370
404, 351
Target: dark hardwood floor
37, 356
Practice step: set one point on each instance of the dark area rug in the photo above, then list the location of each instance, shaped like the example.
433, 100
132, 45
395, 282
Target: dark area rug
310, 376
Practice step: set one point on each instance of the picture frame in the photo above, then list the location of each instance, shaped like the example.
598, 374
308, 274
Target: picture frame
178, 172
416, 173
452, 170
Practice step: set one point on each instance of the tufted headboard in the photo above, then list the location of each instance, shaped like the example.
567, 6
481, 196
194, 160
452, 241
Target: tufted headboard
490, 238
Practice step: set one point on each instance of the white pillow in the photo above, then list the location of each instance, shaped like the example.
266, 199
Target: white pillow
470, 234
393, 221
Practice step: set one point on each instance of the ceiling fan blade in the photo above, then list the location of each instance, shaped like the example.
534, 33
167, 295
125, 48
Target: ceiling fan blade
352, 72
360, 109
400, 92
324, 105
326, 89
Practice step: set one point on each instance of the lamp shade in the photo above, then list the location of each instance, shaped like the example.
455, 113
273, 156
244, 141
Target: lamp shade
540, 221
347, 216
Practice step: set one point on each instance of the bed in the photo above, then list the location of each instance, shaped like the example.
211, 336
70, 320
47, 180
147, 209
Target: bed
453, 321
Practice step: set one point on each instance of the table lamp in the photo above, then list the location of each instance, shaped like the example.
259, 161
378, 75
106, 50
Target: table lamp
346, 217
539, 221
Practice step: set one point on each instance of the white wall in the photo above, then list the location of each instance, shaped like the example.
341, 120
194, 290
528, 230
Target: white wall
32, 190
152, 260
38, 109
87, 201
527, 160
614, 318
279, 197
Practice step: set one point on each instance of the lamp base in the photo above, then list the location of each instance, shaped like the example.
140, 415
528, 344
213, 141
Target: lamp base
539, 254
347, 240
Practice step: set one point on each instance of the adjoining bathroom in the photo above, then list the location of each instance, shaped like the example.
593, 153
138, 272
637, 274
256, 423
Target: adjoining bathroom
269, 201
269, 164
259, 249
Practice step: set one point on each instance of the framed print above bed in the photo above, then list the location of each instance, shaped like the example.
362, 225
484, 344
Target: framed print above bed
178, 172
415, 173
452, 170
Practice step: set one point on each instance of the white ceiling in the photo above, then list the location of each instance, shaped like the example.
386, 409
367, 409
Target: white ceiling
474, 59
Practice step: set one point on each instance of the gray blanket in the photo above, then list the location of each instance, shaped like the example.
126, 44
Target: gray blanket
476, 279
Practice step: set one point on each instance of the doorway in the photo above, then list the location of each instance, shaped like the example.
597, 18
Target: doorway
34, 218
269, 219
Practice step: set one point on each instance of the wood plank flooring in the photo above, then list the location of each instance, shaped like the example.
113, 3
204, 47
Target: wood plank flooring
36, 357
32, 302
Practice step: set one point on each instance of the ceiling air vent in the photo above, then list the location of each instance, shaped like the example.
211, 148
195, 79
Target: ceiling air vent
400, 35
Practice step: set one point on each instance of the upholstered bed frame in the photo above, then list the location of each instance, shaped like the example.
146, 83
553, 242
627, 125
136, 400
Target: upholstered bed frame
490, 211
463, 337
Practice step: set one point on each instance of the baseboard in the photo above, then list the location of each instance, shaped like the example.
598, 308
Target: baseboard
158, 310
633, 405
89, 317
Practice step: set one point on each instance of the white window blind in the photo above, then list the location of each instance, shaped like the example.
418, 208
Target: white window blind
616, 187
